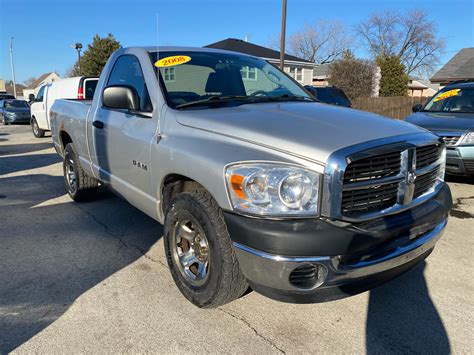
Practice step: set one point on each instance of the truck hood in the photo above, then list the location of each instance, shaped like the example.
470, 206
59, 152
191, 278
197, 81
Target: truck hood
443, 121
310, 130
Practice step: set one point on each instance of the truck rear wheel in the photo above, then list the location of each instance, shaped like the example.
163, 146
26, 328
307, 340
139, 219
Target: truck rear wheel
37, 132
199, 251
80, 186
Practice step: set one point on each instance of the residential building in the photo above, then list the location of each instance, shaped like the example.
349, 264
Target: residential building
300, 69
3, 89
43, 79
421, 88
460, 67
321, 75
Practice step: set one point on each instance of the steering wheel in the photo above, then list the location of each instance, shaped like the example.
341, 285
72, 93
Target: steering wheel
259, 93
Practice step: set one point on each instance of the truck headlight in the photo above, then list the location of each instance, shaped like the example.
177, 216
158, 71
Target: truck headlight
273, 189
467, 139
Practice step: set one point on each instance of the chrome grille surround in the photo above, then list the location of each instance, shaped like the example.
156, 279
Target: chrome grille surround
334, 186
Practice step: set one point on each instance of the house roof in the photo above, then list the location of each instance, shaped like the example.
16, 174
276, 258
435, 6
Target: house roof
321, 71
39, 80
19, 88
460, 67
417, 83
238, 45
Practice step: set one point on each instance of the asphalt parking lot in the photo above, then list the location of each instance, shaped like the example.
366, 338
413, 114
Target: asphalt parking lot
92, 277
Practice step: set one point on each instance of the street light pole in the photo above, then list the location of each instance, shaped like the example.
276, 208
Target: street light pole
78, 49
283, 32
13, 66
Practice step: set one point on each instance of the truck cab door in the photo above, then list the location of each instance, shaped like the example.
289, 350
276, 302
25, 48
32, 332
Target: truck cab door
38, 108
121, 140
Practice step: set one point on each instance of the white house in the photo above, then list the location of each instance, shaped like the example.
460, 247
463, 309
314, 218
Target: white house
299, 69
421, 88
45, 78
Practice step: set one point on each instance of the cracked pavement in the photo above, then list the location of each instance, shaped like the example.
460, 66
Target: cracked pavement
92, 277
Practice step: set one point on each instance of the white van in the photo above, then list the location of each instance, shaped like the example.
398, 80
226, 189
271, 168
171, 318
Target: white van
77, 88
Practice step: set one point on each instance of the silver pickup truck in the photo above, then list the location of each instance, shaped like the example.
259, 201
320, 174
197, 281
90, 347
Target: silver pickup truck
256, 183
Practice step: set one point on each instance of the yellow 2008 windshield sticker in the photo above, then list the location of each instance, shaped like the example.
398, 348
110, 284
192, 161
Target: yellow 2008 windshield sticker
447, 94
172, 61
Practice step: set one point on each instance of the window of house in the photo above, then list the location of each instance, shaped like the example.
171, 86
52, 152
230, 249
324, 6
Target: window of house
169, 74
249, 73
296, 73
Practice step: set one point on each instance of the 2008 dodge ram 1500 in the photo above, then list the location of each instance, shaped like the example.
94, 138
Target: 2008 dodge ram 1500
255, 182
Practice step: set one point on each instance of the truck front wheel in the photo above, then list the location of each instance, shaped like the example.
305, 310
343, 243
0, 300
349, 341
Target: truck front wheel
199, 251
80, 186
37, 132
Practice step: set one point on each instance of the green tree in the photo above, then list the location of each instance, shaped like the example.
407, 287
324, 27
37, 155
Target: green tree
354, 76
394, 79
95, 56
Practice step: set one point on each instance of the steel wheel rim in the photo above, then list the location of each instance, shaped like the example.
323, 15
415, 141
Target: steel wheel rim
190, 250
70, 174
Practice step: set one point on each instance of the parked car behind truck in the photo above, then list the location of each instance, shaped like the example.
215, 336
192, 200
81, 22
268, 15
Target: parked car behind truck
255, 182
329, 95
14, 111
450, 115
78, 88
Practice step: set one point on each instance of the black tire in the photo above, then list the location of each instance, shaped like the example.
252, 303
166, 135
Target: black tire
80, 186
224, 281
37, 132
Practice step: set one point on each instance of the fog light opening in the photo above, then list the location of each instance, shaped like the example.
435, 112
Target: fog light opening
308, 276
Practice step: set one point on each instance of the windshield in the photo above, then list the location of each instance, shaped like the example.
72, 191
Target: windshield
453, 100
16, 104
193, 79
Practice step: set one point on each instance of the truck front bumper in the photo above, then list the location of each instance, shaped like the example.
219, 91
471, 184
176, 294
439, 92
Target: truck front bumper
314, 260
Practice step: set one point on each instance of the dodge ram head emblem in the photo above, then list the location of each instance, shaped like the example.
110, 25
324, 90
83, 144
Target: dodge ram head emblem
411, 177
407, 187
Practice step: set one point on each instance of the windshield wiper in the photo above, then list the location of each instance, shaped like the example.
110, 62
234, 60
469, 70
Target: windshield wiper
291, 98
212, 100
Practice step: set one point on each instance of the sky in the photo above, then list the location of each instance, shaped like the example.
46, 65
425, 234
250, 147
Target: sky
44, 30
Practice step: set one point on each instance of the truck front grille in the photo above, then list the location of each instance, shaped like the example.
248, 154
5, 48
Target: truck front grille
368, 199
375, 167
427, 155
380, 182
425, 182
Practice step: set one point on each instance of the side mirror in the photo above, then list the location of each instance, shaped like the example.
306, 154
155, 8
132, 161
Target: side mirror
121, 97
31, 97
416, 108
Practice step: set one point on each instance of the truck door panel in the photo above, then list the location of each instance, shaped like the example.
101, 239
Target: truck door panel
121, 140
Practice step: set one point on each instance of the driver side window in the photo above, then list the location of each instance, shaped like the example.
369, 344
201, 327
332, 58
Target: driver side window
39, 97
127, 71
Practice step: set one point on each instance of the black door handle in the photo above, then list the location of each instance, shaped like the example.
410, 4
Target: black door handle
98, 124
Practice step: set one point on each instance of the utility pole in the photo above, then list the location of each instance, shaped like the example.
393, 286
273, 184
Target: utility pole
283, 32
13, 66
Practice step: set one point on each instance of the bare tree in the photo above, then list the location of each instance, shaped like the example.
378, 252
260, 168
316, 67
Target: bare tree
323, 42
354, 76
274, 41
411, 36
72, 71
29, 82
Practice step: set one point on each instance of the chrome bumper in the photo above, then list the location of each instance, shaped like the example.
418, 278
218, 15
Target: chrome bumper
273, 271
